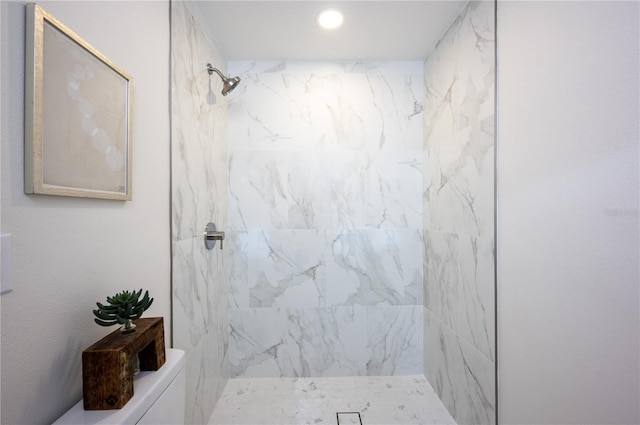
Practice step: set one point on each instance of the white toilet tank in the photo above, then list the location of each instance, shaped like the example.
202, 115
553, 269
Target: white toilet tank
158, 399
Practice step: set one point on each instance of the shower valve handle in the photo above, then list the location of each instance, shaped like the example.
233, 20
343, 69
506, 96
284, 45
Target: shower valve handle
211, 235
216, 236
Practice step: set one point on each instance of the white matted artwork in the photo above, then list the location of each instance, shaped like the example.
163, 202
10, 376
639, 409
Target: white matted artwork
77, 115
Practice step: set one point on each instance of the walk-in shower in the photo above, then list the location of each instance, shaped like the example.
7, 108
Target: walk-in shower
357, 201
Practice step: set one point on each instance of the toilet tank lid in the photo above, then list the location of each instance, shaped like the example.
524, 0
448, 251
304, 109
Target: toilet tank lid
147, 388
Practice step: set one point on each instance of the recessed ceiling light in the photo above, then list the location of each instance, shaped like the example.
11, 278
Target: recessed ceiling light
330, 19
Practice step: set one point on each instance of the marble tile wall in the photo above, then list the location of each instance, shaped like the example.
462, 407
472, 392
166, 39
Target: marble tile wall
458, 207
325, 212
199, 194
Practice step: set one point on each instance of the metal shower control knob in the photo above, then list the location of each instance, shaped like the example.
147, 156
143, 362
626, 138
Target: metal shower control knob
211, 235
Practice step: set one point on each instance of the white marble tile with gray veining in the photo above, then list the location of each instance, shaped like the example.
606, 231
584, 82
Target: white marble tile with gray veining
376, 266
327, 341
340, 189
393, 68
194, 91
199, 285
300, 190
459, 130
459, 216
199, 131
258, 343
393, 193
333, 341
475, 320
199, 184
442, 274
394, 340
459, 286
462, 377
207, 372
200, 320
199, 195
297, 190
292, 106
258, 190
237, 248
325, 190
311, 268
287, 268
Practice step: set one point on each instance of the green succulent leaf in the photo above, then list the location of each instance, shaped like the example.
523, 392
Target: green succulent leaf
104, 323
104, 315
106, 307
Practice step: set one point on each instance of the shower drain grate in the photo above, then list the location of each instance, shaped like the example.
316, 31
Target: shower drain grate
345, 418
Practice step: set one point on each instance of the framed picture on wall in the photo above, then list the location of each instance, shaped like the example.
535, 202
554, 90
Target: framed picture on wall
77, 115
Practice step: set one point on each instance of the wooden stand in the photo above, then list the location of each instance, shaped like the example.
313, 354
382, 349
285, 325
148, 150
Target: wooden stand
108, 365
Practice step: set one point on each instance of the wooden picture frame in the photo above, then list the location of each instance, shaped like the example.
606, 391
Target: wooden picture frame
77, 115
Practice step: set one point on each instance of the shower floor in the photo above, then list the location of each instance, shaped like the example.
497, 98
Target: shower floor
388, 400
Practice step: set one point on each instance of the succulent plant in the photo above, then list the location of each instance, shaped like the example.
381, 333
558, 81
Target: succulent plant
123, 308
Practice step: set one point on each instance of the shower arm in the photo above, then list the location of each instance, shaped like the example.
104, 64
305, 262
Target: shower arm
211, 70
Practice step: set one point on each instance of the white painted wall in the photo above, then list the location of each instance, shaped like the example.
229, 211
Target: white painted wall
568, 212
69, 253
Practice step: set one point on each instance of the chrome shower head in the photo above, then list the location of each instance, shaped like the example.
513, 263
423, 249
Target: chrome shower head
228, 84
